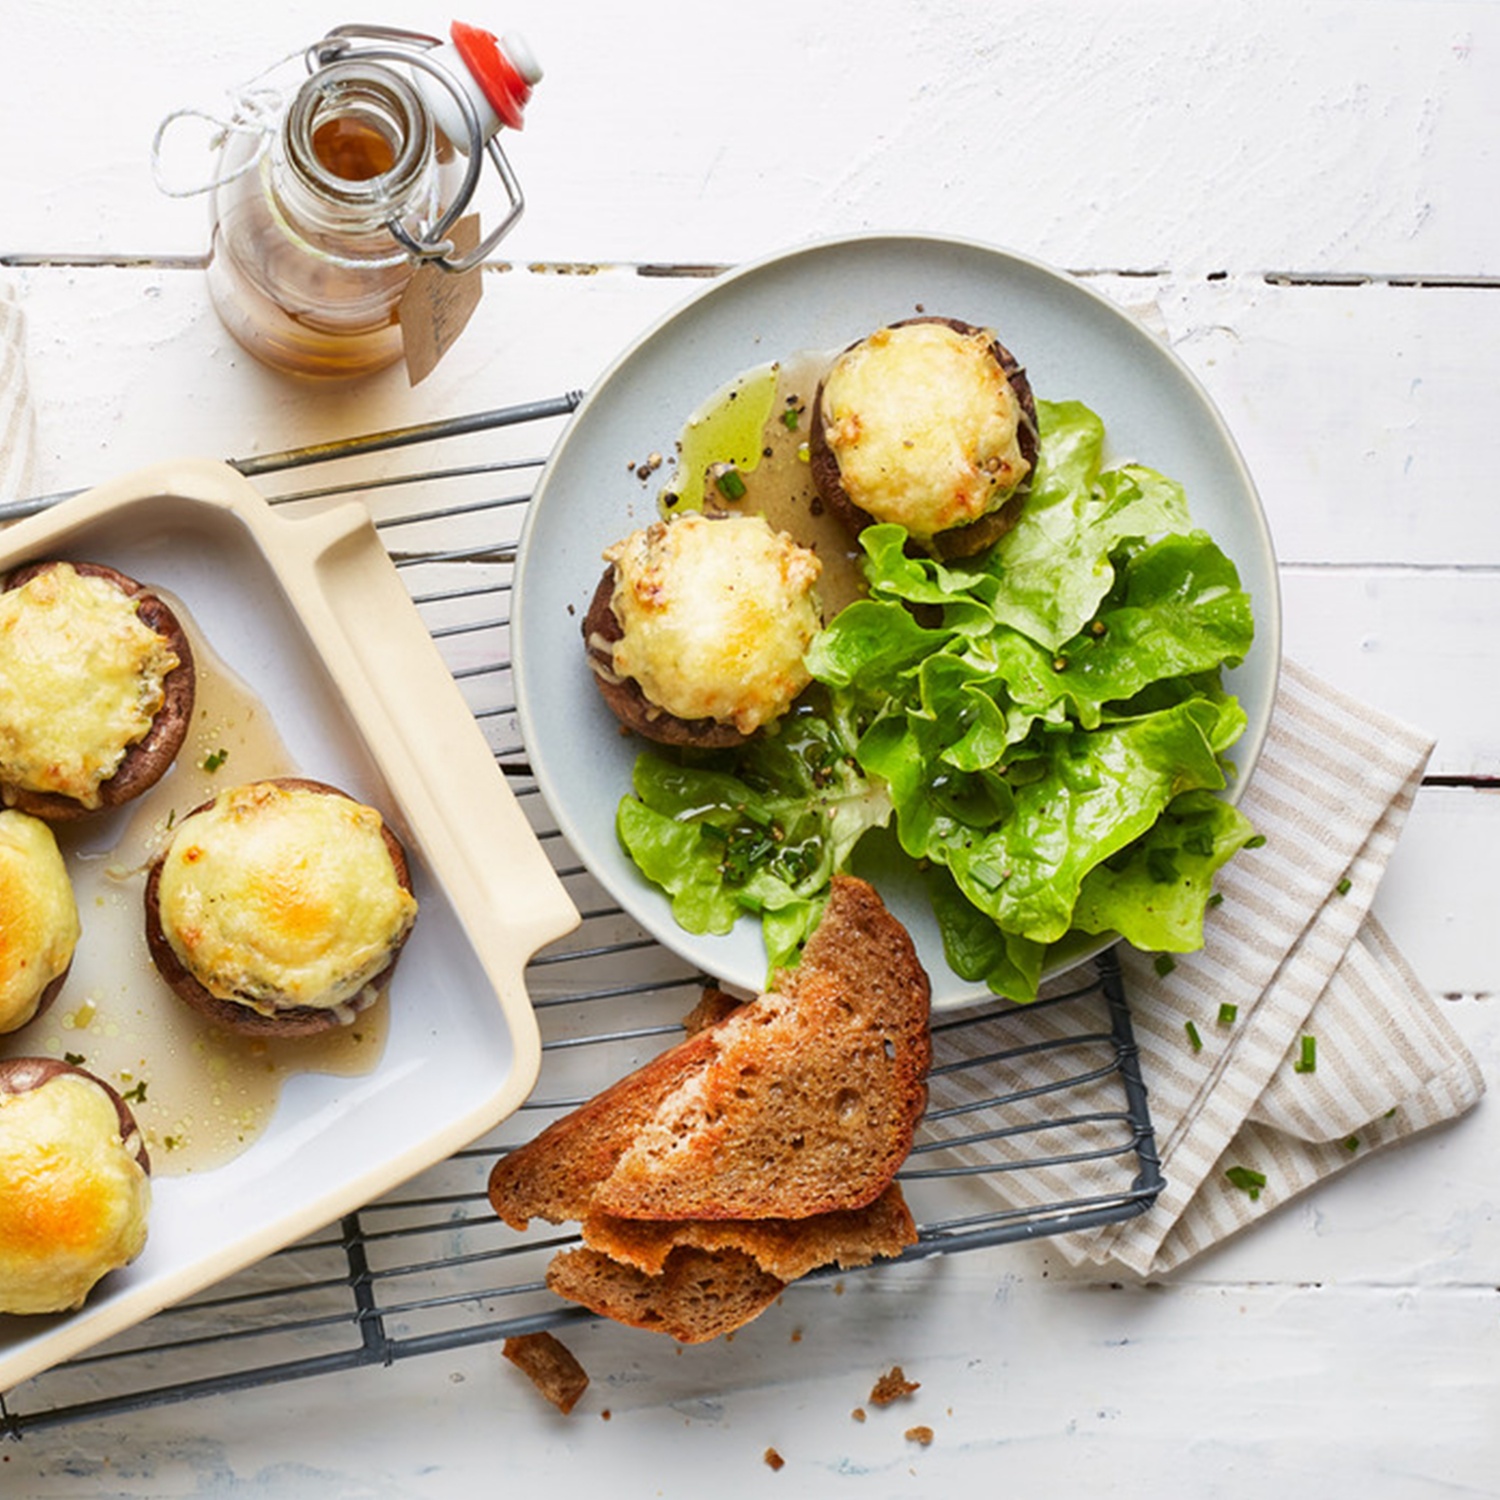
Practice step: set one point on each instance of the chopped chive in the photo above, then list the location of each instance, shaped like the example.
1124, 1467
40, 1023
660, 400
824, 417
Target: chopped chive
1228, 1014
1246, 1180
1307, 1062
1351, 1143
1192, 1036
1164, 963
217, 759
1344, 886
73, 1058
1217, 899
790, 417
1256, 842
729, 483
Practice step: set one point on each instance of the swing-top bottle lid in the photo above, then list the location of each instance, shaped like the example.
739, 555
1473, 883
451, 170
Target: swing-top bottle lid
496, 74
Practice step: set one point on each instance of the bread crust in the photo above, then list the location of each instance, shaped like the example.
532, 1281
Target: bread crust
147, 760
569, 1171
784, 1248
957, 541
20, 1075
699, 1294
294, 1021
623, 695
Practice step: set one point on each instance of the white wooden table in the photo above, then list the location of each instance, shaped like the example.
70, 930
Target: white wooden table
1301, 199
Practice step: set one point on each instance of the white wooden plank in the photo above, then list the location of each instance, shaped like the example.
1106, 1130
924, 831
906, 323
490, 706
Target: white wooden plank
1405, 637
108, 400
1259, 139
1414, 643
1231, 1391
1362, 412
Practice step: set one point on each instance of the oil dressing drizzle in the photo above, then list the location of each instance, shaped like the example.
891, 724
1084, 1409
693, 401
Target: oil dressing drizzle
758, 424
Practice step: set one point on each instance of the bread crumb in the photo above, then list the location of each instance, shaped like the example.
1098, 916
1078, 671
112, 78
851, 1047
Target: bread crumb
774, 1460
550, 1366
858, 1414
922, 1435
892, 1386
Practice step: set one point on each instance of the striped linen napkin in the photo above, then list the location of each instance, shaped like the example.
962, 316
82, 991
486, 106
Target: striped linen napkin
1290, 953
17, 423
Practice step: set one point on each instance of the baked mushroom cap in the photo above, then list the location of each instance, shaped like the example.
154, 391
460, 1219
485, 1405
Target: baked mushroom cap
39, 925
85, 1215
717, 612
241, 1015
990, 480
147, 759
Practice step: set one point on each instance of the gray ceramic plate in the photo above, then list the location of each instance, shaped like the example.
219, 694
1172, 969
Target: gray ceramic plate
1075, 345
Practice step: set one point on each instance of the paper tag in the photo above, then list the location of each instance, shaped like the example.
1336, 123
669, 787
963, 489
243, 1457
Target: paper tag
436, 305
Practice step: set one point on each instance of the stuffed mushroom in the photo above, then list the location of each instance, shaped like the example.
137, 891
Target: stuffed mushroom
279, 908
96, 688
929, 423
39, 926
77, 1184
699, 626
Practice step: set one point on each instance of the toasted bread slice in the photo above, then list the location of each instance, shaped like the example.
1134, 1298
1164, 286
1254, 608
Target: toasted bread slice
699, 1295
554, 1175
786, 1248
810, 1101
802, 1102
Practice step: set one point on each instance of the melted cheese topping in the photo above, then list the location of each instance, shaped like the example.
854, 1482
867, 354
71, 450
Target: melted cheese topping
716, 616
925, 427
277, 896
81, 679
38, 916
76, 1200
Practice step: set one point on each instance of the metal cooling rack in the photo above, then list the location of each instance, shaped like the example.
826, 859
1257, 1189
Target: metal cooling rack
428, 1267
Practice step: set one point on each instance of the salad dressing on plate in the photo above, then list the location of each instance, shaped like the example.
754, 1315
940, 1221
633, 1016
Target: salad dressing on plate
757, 426
201, 1095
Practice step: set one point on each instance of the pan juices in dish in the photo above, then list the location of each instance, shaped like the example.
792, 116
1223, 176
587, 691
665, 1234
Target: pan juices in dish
201, 1093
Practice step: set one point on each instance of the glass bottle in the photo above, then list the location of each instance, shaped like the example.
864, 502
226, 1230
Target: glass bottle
318, 231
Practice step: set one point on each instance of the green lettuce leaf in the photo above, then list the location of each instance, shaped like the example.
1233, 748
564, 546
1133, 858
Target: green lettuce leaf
1042, 729
1155, 892
761, 830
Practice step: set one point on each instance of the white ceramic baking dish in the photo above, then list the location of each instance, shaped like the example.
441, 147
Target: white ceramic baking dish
311, 616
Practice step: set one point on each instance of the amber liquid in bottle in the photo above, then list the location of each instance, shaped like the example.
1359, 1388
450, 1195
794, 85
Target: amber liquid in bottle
353, 149
302, 268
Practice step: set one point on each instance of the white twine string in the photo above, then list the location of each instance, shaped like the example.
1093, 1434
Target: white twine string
255, 110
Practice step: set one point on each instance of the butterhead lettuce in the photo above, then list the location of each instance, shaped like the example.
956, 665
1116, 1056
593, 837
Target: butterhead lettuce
1042, 728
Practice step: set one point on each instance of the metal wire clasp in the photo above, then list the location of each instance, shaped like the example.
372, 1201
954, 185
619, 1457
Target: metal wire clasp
414, 49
